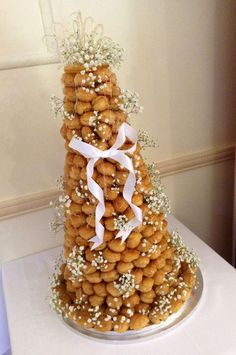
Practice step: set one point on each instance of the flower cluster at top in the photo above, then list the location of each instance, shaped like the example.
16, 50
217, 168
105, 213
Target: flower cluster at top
183, 254
83, 43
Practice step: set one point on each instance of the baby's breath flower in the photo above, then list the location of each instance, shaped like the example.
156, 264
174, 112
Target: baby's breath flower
57, 107
120, 222
76, 262
129, 102
157, 201
145, 141
183, 254
125, 284
61, 206
60, 183
83, 42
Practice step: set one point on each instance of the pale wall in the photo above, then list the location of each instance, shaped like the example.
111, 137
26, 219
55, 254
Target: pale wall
178, 55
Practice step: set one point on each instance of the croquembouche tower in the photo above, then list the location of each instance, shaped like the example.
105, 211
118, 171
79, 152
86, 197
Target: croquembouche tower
121, 269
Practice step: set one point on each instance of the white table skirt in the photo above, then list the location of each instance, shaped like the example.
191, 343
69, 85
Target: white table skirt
4, 337
36, 330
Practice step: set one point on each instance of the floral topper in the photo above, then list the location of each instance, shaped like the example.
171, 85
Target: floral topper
83, 42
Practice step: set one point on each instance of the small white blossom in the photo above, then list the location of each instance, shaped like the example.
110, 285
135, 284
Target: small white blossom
129, 102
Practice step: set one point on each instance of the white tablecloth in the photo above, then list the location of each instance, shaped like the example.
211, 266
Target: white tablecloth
35, 330
4, 337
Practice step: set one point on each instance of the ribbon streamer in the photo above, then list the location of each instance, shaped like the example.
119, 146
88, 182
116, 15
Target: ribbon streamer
93, 154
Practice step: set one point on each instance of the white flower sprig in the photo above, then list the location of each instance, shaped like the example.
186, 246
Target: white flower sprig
61, 205
157, 201
183, 254
76, 263
154, 174
60, 183
125, 284
57, 108
120, 223
83, 42
130, 102
145, 140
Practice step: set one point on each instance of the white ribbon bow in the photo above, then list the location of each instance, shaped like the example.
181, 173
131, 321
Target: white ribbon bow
94, 154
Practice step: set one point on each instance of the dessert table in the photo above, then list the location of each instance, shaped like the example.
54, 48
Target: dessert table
35, 330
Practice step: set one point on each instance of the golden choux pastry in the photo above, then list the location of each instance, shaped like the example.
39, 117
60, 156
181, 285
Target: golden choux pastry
106, 168
114, 103
109, 209
114, 302
82, 80
100, 289
120, 204
96, 300
137, 199
68, 79
121, 324
108, 117
105, 325
123, 267
138, 321
116, 245
81, 107
189, 279
129, 255
111, 256
85, 95
79, 161
75, 209
87, 288
108, 236
142, 261
150, 270
146, 284
87, 134
110, 224
94, 278
104, 181
133, 240
72, 124
121, 177
69, 106
74, 173
116, 90
77, 221
110, 194
69, 94
104, 131
103, 74
112, 290
132, 300
86, 232
159, 277
100, 103
105, 89
88, 208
